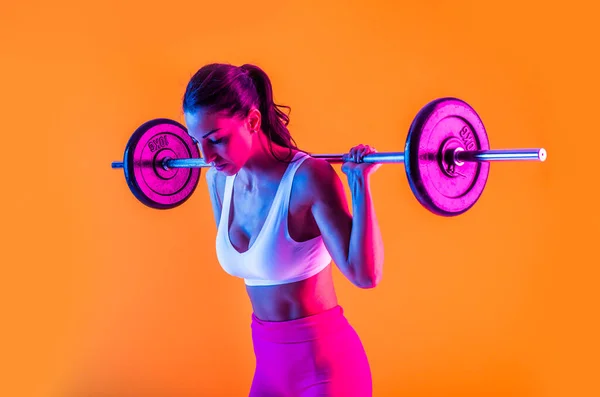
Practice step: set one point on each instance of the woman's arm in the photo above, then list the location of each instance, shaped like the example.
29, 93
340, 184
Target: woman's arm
353, 240
366, 243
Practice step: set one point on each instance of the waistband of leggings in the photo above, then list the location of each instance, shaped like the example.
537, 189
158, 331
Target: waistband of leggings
301, 329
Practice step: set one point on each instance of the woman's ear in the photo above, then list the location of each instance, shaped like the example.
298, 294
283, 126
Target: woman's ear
254, 120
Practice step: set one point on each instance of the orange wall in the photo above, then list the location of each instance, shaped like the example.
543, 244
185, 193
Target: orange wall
105, 297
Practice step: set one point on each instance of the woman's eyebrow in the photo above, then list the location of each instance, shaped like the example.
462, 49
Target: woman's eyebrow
210, 132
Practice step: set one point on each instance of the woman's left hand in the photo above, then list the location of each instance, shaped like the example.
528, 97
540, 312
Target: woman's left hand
353, 161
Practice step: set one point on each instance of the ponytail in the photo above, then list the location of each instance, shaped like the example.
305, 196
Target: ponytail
274, 121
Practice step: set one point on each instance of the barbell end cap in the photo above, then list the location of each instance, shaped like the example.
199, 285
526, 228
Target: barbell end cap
117, 164
542, 155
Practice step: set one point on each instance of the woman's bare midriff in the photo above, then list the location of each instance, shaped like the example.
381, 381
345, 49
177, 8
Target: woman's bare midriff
294, 300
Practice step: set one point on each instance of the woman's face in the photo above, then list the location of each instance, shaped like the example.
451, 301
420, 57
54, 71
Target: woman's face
223, 140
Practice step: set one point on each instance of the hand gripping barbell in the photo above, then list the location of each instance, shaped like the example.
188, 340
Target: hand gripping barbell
447, 158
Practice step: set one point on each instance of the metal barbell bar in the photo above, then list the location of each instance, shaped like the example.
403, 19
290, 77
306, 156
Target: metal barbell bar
461, 156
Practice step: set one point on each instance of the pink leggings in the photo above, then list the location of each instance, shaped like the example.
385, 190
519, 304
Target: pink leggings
319, 355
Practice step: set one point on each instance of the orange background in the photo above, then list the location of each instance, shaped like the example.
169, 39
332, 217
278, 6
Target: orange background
102, 296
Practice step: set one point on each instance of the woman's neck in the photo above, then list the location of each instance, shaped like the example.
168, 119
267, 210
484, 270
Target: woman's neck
262, 162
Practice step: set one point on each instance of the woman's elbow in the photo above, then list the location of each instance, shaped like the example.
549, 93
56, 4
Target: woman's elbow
369, 280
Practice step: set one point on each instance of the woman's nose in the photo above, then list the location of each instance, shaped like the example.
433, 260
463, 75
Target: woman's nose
207, 154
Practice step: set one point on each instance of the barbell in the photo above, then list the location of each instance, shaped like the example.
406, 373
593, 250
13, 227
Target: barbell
446, 156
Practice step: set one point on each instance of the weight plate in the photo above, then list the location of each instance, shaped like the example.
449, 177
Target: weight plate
148, 180
441, 125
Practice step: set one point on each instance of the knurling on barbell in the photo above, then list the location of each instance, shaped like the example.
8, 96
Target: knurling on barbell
447, 159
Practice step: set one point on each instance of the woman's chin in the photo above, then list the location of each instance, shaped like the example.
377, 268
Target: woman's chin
227, 169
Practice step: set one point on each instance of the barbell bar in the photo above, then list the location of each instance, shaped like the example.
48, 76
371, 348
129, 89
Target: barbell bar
446, 157
461, 156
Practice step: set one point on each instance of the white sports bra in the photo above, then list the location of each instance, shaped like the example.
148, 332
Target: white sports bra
274, 257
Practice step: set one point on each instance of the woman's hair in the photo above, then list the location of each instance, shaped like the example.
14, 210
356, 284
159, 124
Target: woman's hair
219, 87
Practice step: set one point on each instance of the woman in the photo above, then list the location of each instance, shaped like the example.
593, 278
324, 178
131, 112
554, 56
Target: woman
282, 217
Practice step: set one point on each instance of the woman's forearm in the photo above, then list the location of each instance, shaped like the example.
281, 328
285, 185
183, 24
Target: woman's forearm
365, 256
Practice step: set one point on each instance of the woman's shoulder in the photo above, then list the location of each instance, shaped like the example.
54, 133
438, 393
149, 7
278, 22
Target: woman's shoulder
215, 181
212, 175
316, 176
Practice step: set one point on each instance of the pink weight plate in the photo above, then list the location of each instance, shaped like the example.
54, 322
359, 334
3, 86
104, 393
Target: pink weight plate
148, 180
440, 186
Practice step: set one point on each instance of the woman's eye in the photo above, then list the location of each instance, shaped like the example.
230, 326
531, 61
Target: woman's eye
216, 141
